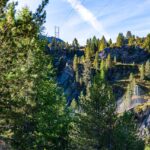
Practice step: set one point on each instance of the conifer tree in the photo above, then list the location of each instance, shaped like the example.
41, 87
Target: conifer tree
96, 62
103, 44
108, 61
87, 52
147, 43
92, 129
77, 76
126, 133
120, 40
98, 126
102, 64
131, 41
75, 44
87, 72
75, 63
110, 42
31, 106
129, 34
97, 110
147, 68
131, 77
142, 72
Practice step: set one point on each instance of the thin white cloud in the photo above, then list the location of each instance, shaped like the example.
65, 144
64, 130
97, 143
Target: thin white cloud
88, 16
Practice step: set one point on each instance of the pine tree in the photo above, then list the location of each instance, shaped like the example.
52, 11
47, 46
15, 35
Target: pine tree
102, 64
75, 63
110, 42
131, 41
126, 133
94, 44
31, 107
142, 72
75, 44
96, 62
103, 44
87, 52
96, 117
98, 126
147, 68
108, 61
120, 40
87, 73
102, 70
131, 77
129, 34
77, 76
147, 43
82, 59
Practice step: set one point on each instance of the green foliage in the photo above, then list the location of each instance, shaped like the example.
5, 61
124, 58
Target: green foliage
147, 68
131, 77
142, 72
129, 34
75, 44
125, 135
75, 63
95, 121
87, 52
96, 61
120, 40
131, 41
110, 42
102, 44
98, 126
108, 61
87, 72
147, 43
31, 107
102, 65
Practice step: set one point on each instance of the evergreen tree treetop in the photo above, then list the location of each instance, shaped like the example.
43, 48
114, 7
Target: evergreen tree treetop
120, 40
129, 34
102, 44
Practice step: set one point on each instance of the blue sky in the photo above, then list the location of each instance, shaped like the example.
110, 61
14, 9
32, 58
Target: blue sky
85, 18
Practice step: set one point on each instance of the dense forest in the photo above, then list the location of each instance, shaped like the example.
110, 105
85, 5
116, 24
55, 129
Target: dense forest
60, 96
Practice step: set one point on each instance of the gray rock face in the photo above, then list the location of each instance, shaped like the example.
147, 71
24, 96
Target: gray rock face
126, 54
145, 124
66, 80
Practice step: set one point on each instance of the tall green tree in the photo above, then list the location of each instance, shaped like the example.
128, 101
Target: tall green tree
126, 133
142, 72
146, 44
95, 124
102, 44
31, 108
129, 34
131, 41
75, 44
108, 61
120, 40
147, 68
98, 126
75, 63
110, 42
88, 52
96, 61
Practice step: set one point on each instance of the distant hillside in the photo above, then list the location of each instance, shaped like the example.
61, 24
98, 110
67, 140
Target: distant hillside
51, 38
57, 39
